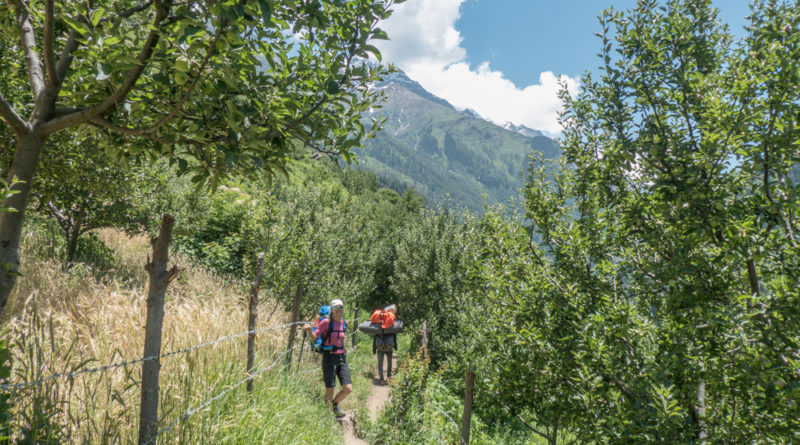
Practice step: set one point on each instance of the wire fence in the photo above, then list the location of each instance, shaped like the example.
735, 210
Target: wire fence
16, 386
73, 374
448, 417
208, 402
186, 415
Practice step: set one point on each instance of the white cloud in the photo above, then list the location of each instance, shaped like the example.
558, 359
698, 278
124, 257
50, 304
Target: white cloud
426, 45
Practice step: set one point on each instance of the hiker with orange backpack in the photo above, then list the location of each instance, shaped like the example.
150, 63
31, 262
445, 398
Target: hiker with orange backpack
384, 344
334, 358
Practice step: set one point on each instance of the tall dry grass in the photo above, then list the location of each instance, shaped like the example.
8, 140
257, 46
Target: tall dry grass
63, 320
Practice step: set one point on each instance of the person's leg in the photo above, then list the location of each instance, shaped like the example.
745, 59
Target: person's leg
329, 397
346, 389
343, 372
380, 365
389, 364
328, 377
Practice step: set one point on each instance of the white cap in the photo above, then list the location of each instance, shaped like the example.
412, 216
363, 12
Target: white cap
336, 302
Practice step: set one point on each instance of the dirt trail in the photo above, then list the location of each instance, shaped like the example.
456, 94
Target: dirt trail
377, 397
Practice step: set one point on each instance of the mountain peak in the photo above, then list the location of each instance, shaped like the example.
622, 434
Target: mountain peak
401, 78
521, 129
472, 113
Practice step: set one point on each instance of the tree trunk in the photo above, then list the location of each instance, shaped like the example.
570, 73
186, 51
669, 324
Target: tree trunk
23, 168
293, 328
752, 277
424, 339
72, 238
160, 277
467, 418
251, 319
72, 246
700, 409
553, 440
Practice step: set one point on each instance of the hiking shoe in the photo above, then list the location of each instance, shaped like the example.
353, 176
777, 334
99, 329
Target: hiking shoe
338, 411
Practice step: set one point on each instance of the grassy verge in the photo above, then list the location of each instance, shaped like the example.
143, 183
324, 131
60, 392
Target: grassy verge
64, 320
423, 409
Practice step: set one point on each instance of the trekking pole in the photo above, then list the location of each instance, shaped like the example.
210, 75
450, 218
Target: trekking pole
302, 346
355, 331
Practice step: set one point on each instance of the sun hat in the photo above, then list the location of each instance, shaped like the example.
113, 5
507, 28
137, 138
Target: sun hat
336, 302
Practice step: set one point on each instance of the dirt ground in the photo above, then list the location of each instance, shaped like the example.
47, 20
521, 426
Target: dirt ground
377, 397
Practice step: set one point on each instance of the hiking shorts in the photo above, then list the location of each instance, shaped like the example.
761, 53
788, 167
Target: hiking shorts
333, 366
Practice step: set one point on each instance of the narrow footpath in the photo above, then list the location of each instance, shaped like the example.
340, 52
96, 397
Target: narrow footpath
377, 397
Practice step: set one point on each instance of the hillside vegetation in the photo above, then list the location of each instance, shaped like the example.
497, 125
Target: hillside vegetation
451, 157
645, 291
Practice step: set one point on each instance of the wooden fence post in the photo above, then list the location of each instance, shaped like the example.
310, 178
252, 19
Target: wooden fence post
252, 315
293, 328
424, 339
355, 328
467, 408
160, 277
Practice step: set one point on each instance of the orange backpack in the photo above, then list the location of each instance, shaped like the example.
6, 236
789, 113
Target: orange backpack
383, 318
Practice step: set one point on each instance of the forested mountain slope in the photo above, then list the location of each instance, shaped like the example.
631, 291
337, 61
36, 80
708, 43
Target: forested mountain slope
441, 151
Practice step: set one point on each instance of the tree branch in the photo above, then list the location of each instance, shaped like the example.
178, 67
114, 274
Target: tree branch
63, 220
119, 94
47, 41
108, 125
28, 40
65, 59
11, 117
181, 101
128, 12
297, 121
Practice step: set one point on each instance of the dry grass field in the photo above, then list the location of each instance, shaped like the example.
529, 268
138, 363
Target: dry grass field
61, 320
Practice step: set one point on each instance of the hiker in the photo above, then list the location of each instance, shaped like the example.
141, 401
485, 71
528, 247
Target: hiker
334, 358
384, 344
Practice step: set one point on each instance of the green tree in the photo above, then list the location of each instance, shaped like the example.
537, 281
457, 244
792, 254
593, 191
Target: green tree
217, 87
84, 189
658, 294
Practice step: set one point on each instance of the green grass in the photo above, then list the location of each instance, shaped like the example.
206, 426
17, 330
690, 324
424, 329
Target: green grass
284, 408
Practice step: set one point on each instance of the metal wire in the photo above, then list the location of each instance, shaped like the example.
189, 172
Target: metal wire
458, 427
208, 402
16, 386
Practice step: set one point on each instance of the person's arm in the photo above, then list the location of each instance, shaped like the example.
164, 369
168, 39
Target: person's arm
309, 328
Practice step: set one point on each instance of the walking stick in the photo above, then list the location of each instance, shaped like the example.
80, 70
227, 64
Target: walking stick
302, 346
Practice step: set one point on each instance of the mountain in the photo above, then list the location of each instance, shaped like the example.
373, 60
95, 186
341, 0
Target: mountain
444, 153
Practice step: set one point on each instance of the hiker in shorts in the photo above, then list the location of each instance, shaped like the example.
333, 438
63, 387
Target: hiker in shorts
384, 344
334, 358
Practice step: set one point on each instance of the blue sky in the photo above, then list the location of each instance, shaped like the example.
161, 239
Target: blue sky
522, 38
505, 59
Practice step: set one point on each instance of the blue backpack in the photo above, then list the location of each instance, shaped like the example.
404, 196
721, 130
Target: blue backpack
317, 345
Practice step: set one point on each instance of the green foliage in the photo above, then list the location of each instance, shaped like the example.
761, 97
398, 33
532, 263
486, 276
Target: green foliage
424, 410
652, 297
327, 231
433, 256
83, 190
217, 88
238, 83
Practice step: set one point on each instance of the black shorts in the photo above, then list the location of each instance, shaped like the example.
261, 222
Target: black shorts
335, 365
